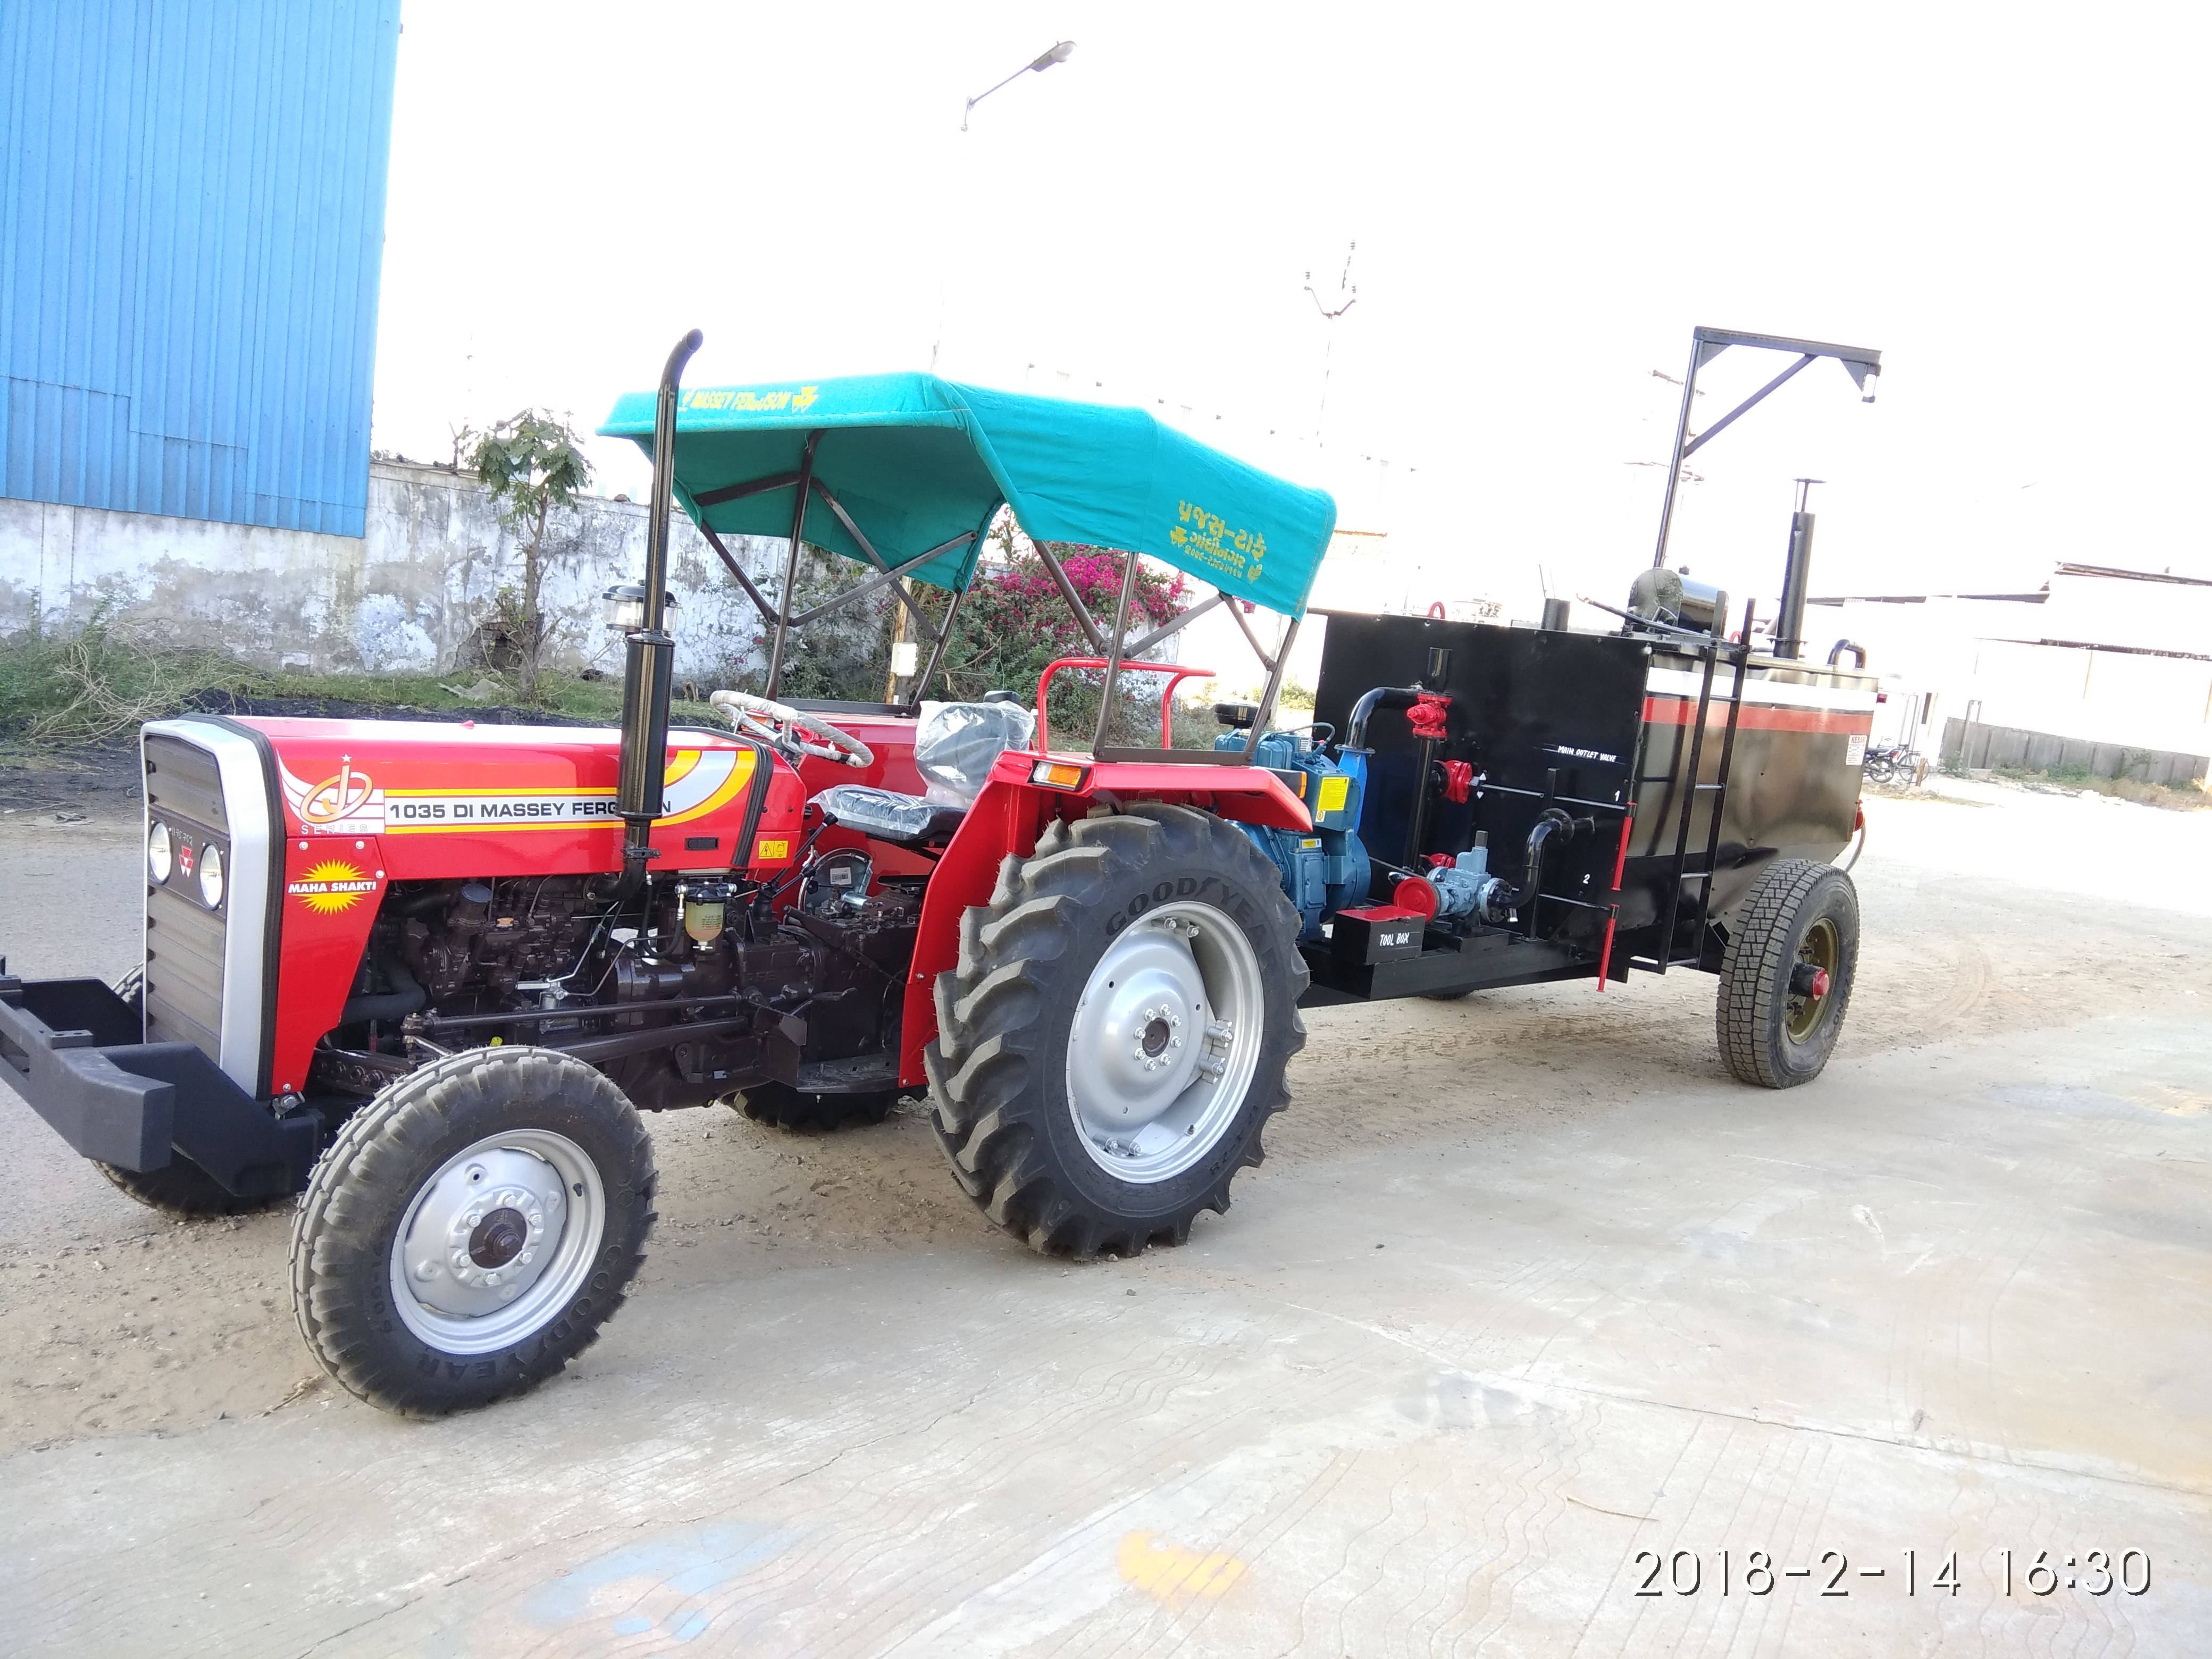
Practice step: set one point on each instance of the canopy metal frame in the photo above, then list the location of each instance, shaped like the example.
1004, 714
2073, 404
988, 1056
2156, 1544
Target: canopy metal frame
781, 618
1864, 363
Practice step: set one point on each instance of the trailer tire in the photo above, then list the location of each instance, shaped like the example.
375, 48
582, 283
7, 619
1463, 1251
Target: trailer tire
788, 1107
400, 1200
1775, 1030
1031, 1007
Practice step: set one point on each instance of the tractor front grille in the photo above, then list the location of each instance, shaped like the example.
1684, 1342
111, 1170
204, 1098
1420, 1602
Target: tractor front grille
185, 937
207, 782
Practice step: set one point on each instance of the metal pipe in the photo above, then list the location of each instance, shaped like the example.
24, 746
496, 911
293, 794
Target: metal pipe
1796, 573
1551, 822
1273, 688
651, 654
806, 483
1074, 604
1857, 651
1681, 432
1114, 652
1381, 696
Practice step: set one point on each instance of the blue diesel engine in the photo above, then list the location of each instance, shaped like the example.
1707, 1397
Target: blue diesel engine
1326, 869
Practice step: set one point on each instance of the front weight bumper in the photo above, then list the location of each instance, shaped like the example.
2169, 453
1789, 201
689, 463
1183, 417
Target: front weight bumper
73, 1050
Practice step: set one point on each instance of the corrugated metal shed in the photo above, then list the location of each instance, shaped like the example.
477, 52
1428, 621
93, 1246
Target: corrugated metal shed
191, 228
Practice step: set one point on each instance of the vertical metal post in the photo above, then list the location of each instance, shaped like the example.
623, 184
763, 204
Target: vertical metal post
1114, 654
1797, 579
1681, 435
804, 488
642, 764
1276, 669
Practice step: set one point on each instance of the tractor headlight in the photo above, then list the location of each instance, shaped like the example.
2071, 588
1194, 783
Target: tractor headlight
211, 878
159, 859
625, 602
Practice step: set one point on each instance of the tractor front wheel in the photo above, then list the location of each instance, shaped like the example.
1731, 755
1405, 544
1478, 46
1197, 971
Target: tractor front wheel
1114, 1040
471, 1229
1793, 953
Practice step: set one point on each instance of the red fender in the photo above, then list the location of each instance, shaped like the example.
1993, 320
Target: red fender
1011, 812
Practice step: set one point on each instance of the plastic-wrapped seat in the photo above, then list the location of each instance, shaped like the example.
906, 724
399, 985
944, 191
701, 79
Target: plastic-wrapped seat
955, 746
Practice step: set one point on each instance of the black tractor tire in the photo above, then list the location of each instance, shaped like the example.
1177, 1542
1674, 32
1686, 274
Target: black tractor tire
788, 1107
1770, 1033
998, 1068
397, 1154
181, 1188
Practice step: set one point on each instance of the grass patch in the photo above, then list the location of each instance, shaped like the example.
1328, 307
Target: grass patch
91, 687
2184, 796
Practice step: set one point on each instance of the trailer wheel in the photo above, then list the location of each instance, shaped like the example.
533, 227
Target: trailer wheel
1114, 1040
788, 1107
471, 1230
1786, 975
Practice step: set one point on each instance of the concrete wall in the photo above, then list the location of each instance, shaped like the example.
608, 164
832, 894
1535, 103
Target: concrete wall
1976, 745
404, 597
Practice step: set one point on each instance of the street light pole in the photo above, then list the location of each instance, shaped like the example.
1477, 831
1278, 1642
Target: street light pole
1058, 54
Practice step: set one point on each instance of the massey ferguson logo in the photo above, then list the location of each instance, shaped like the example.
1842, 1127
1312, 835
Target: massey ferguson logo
347, 803
340, 796
329, 887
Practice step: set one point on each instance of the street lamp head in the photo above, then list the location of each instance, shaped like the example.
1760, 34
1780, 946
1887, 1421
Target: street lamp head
1059, 54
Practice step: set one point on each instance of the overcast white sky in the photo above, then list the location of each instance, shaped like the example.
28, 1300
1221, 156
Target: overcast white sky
2009, 201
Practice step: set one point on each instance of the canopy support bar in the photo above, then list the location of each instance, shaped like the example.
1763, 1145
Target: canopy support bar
759, 600
1114, 652
952, 616
791, 564
709, 498
871, 583
914, 608
1175, 625
937, 651
1074, 604
1276, 669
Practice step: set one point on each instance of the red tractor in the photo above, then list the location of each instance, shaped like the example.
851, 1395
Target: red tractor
425, 975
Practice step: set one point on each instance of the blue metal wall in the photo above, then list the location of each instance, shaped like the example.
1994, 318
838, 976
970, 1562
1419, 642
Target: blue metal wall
191, 227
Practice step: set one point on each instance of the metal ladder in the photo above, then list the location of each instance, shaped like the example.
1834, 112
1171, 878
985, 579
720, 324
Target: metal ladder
1683, 804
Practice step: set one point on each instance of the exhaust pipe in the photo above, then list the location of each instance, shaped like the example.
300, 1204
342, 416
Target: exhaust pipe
650, 658
1796, 577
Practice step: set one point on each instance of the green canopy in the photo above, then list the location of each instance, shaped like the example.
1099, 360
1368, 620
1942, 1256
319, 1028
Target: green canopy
914, 464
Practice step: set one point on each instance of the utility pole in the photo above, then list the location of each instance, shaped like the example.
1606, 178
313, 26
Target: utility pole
1348, 296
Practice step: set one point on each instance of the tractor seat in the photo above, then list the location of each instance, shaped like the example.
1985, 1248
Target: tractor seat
887, 815
955, 746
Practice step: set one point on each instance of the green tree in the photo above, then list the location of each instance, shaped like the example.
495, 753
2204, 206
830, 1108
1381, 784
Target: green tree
531, 466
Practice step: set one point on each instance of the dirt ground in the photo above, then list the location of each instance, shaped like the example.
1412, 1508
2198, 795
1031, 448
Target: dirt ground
1996, 923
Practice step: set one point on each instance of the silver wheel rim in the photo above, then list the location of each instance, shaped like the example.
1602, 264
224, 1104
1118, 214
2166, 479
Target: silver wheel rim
497, 1241
1164, 1042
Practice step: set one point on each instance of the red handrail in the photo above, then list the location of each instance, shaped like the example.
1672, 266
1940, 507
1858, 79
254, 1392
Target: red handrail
1178, 673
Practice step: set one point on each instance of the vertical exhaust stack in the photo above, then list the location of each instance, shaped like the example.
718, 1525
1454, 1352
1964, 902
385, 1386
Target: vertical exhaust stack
1796, 573
651, 656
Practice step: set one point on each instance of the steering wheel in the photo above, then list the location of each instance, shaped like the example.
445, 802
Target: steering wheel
796, 735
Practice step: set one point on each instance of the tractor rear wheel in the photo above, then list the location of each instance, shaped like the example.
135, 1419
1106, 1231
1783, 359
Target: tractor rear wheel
1786, 976
471, 1230
1114, 1040
800, 1108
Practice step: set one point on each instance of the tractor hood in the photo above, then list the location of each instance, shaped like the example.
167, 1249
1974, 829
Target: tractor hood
432, 781
908, 464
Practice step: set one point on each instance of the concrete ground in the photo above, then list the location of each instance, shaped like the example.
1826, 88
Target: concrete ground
1531, 1310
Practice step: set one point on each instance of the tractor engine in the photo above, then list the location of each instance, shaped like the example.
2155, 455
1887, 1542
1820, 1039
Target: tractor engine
703, 985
